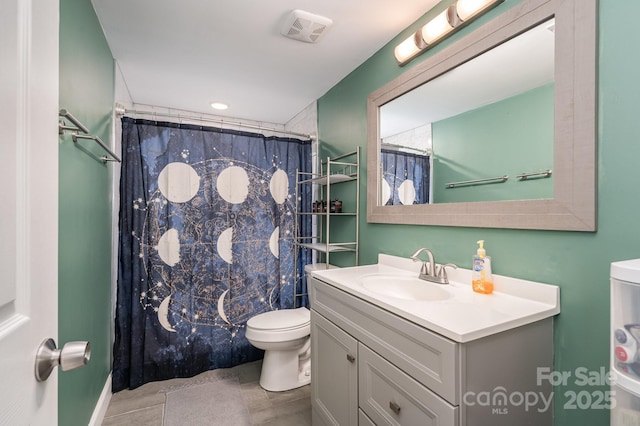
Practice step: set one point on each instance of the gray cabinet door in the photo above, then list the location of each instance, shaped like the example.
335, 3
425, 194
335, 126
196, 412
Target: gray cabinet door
334, 372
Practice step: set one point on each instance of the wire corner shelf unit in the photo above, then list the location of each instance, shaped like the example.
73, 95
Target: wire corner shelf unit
322, 243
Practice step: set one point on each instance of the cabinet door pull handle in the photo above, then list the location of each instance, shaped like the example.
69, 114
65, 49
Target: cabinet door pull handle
351, 358
394, 407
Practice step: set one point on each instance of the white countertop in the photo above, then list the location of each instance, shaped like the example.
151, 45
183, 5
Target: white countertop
466, 315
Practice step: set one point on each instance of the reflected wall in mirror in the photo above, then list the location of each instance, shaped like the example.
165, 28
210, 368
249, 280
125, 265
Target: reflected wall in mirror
489, 117
515, 96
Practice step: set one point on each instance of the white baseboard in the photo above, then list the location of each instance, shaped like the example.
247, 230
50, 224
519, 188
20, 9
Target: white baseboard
102, 404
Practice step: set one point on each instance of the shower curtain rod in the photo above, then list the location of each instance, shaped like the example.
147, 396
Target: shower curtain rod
122, 111
395, 147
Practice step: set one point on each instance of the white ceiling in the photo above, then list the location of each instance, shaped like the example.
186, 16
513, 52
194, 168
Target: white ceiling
186, 54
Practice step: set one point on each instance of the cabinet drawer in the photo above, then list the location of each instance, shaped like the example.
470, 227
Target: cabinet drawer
390, 397
428, 357
363, 420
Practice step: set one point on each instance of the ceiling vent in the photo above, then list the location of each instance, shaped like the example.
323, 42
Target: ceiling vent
305, 26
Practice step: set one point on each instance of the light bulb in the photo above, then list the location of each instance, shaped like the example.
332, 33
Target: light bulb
407, 49
467, 8
436, 28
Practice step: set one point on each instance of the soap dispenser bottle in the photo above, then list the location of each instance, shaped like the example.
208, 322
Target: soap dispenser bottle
481, 279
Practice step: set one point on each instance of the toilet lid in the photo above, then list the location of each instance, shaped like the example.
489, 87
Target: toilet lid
284, 319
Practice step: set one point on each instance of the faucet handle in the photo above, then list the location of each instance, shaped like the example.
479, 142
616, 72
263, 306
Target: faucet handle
442, 272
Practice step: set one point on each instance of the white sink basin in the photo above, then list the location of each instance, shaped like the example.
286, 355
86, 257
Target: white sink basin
404, 287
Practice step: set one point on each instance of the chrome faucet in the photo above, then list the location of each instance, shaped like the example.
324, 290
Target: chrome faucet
426, 270
432, 272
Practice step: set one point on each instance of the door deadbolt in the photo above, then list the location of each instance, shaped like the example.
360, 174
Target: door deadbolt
72, 355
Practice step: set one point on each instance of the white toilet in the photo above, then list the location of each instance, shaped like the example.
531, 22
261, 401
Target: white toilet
284, 335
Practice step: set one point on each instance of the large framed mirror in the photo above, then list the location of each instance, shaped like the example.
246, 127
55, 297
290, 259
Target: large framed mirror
496, 130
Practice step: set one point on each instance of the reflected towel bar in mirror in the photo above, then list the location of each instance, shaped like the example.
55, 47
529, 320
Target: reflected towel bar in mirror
544, 174
497, 179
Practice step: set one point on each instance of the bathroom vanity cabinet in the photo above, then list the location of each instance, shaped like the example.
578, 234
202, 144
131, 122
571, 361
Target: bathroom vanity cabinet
371, 366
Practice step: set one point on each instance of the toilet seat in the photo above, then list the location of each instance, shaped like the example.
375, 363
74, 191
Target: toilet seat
280, 326
281, 320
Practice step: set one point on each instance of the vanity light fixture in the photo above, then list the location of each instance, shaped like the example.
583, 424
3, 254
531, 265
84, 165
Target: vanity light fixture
452, 18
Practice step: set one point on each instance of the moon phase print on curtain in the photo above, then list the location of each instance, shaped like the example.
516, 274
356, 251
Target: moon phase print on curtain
206, 242
405, 178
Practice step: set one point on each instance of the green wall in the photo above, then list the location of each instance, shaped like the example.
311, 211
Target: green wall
578, 262
84, 277
508, 137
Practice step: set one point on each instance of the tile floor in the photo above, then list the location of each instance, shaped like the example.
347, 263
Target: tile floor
144, 406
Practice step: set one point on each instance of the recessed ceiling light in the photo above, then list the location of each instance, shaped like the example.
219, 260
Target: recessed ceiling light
219, 105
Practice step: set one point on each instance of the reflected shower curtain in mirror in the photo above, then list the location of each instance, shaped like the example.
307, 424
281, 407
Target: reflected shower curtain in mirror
405, 177
206, 242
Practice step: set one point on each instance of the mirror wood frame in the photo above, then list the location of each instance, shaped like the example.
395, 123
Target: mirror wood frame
573, 207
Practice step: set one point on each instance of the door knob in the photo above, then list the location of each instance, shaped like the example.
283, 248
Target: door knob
71, 356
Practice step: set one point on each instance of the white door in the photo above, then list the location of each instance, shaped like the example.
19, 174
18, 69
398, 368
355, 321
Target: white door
28, 206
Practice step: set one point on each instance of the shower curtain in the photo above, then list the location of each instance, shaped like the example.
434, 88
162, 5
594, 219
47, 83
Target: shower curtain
407, 177
206, 242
